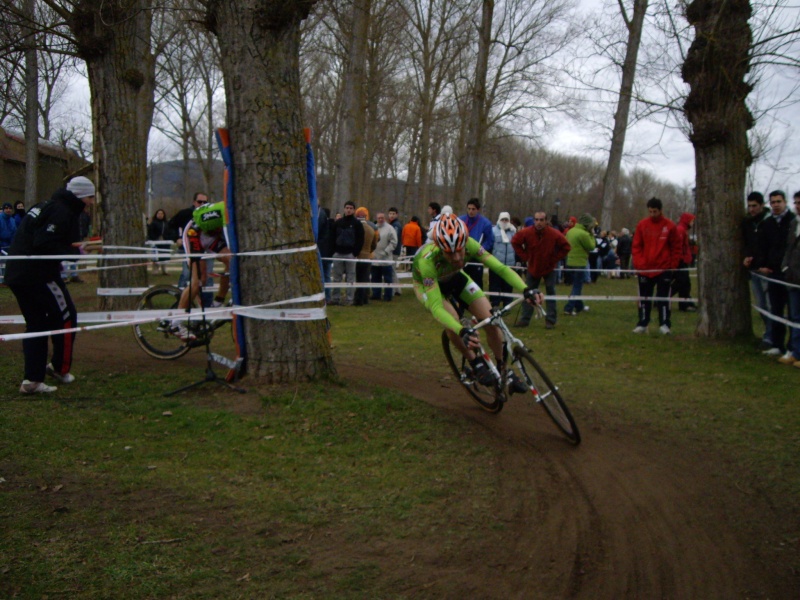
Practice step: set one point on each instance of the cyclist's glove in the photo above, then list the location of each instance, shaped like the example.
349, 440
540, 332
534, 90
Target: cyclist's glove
466, 334
530, 293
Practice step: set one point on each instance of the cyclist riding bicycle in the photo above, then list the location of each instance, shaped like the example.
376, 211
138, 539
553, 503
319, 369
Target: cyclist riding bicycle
437, 274
205, 233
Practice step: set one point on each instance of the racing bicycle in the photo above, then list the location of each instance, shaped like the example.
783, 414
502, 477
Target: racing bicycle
519, 358
154, 337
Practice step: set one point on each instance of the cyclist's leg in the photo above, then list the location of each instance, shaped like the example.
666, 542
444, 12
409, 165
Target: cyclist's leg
481, 308
224, 257
468, 353
198, 270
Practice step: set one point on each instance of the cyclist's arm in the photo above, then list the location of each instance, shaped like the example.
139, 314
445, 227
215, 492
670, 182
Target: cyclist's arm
431, 297
509, 275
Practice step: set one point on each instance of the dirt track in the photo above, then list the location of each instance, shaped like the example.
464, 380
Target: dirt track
621, 516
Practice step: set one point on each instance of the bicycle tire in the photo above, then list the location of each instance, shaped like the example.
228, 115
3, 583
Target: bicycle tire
153, 336
547, 394
486, 397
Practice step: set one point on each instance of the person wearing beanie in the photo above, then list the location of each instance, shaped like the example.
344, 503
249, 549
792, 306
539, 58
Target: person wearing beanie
504, 252
49, 228
581, 243
365, 255
656, 254
8, 226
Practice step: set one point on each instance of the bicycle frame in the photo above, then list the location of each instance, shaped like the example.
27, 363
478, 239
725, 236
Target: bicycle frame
510, 341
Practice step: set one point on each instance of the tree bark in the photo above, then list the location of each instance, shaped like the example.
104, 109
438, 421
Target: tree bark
113, 38
260, 41
350, 176
476, 131
611, 177
715, 68
31, 111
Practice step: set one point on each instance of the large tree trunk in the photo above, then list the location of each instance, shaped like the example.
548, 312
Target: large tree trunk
611, 177
31, 111
113, 37
260, 42
350, 173
715, 68
476, 132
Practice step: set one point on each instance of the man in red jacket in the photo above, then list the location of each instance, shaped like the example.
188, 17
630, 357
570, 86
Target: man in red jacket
656, 253
542, 247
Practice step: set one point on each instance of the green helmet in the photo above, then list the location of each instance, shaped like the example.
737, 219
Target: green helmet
210, 216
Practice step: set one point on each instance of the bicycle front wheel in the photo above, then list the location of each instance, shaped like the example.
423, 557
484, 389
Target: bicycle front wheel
546, 394
486, 397
154, 337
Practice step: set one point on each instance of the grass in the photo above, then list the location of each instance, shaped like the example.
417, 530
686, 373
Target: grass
122, 493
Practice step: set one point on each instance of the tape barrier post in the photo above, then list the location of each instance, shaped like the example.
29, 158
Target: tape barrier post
224, 143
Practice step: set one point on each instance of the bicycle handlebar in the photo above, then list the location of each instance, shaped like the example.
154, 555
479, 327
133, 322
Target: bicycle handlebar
498, 313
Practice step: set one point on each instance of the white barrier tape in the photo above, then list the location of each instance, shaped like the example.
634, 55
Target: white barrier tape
138, 291
285, 314
770, 280
135, 317
772, 317
149, 255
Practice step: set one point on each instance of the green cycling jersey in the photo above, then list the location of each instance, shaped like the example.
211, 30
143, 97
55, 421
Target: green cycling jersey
430, 269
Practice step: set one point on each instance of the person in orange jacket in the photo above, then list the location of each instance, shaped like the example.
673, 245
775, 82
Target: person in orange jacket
412, 236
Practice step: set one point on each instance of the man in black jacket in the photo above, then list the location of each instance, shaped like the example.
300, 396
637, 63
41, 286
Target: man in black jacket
348, 238
49, 228
771, 248
756, 214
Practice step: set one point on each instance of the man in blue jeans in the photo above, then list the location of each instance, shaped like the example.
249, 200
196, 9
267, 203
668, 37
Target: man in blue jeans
581, 243
756, 214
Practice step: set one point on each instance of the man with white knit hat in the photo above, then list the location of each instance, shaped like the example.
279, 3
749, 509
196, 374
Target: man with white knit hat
49, 228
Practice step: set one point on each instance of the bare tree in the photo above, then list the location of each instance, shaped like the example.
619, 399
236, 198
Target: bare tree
633, 25
716, 69
31, 108
263, 115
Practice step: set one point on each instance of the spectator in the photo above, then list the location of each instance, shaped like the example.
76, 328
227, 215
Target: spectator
581, 243
19, 212
751, 229
412, 236
348, 239
8, 226
503, 251
434, 213
624, 243
682, 284
603, 249
365, 256
50, 228
158, 231
542, 247
771, 250
325, 246
395, 222
656, 252
480, 229
790, 269
382, 272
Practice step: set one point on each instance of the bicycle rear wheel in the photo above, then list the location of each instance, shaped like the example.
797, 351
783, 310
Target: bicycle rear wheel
154, 337
486, 397
547, 394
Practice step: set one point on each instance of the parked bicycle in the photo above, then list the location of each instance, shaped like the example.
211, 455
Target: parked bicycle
519, 358
155, 338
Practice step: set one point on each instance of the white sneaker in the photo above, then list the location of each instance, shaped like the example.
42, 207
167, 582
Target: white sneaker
772, 352
639, 329
585, 307
68, 378
664, 329
36, 387
180, 331
216, 304
787, 359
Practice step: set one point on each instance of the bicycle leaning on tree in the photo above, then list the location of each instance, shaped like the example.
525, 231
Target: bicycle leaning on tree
519, 358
